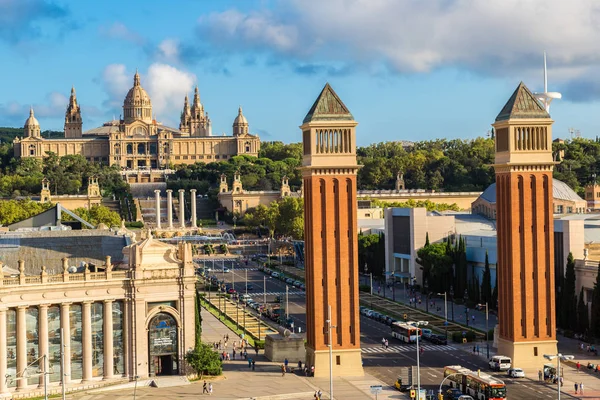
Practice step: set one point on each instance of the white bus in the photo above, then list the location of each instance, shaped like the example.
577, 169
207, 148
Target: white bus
405, 332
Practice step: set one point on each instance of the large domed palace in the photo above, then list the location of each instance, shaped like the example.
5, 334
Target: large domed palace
137, 141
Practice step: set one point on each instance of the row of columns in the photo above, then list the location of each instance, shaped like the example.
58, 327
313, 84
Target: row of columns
86, 321
181, 208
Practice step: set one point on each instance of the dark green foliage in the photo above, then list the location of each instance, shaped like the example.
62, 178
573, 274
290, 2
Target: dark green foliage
486, 284
436, 262
595, 325
198, 323
204, 360
371, 252
569, 298
494, 303
583, 323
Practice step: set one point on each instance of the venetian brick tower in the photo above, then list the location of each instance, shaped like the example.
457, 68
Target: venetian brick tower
329, 170
525, 229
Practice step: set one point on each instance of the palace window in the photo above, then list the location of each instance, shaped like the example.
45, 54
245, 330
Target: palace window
141, 148
32, 150
247, 147
76, 343
117, 316
152, 148
129, 148
97, 339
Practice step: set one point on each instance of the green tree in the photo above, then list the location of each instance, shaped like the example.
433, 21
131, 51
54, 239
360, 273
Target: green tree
12, 211
198, 323
204, 360
583, 323
486, 284
436, 265
569, 298
595, 325
99, 215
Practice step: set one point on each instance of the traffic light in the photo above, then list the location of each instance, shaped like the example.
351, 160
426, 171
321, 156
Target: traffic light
413, 394
406, 317
440, 396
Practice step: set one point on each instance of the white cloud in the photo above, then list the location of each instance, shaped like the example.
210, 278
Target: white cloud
165, 84
167, 87
119, 31
168, 51
411, 36
54, 105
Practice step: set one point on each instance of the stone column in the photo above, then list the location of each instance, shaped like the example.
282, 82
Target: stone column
193, 198
21, 346
65, 324
86, 334
170, 208
43, 340
3, 353
108, 340
157, 194
181, 208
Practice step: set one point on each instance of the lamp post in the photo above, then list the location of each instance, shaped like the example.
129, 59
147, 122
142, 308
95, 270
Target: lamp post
417, 324
446, 315
558, 358
264, 290
466, 297
452, 301
135, 387
425, 286
487, 330
246, 270
287, 288
330, 345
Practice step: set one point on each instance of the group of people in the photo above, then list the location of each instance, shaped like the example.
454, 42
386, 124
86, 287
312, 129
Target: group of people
384, 343
590, 348
207, 388
578, 388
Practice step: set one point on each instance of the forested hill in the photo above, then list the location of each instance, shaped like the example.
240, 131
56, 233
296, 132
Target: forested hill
8, 134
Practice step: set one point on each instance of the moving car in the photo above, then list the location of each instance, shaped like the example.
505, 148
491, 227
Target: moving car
426, 333
438, 339
500, 363
453, 394
516, 373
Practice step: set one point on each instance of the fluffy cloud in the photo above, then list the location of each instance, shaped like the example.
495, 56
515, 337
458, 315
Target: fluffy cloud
23, 19
119, 31
54, 105
485, 37
165, 84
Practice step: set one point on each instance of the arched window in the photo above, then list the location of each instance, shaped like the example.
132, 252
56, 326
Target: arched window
141, 148
152, 148
32, 150
129, 148
162, 343
248, 147
117, 148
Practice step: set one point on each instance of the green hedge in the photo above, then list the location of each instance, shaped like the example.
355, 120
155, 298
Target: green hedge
134, 224
364, 288
458, 337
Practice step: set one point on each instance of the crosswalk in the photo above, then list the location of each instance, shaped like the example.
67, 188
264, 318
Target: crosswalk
399, 349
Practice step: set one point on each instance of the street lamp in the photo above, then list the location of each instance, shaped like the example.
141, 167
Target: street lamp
264, 291
558, 358
417, 324
452, 301
446, 315
466, 297
330, 345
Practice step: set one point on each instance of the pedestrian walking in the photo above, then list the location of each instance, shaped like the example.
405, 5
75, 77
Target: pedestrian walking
473, 318
382, 342
253, 365
386, 344
256, 348
205, 388
210, 389
540, 375
282, 370
317, 395
578, 366
477, 349
581, 388
300, 365
234, 352
286, 362
312, 370
249, 363
576, 388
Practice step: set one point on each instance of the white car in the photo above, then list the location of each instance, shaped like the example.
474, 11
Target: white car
516, 373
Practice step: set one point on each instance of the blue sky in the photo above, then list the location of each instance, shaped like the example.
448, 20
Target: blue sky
406, 69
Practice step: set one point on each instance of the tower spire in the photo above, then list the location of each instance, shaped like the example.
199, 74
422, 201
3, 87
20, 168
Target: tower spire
136, 78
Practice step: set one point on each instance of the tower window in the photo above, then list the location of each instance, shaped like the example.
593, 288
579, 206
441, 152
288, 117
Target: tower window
338, 360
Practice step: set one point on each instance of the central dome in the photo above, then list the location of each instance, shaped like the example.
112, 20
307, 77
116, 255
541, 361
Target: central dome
137, 104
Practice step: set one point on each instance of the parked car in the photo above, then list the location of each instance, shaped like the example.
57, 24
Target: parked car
231, 291
275, 274
297, 284
500, 363
374, 315
302, 286
250, 287
516, 373
289, 281
226, 270
480, 307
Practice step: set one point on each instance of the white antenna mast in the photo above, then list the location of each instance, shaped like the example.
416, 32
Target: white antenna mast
546, 97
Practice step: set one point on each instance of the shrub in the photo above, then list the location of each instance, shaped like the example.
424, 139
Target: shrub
134, 224
458, 337
204, 360
364, 288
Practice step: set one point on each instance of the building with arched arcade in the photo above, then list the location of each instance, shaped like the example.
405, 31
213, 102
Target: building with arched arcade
128, 316
137, 140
